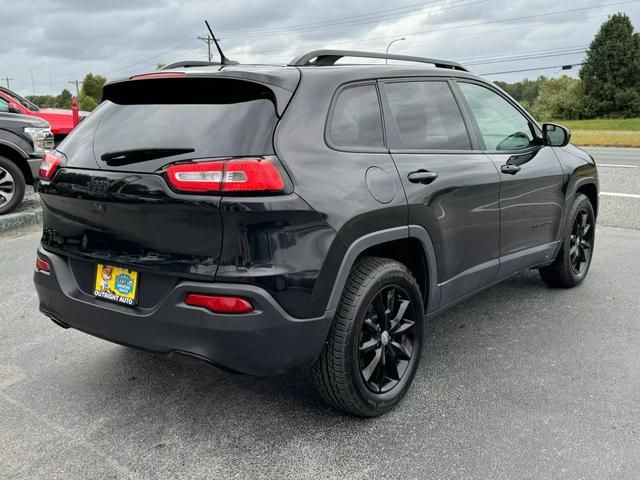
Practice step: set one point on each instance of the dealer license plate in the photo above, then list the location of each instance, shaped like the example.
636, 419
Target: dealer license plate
115, 284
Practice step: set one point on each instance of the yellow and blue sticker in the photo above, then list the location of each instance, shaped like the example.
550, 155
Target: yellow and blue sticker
116, 284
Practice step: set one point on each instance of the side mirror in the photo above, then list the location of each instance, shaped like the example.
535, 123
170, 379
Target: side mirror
555, 135
14, 109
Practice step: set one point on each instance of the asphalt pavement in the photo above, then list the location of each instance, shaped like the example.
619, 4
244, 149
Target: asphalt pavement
619, 170
519, 382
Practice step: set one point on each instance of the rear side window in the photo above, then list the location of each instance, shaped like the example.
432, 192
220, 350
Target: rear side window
356, 122
427, 116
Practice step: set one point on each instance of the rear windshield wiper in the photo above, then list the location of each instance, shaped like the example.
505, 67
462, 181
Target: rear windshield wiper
127, 157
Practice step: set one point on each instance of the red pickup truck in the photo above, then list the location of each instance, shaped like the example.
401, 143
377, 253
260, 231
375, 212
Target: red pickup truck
61, 121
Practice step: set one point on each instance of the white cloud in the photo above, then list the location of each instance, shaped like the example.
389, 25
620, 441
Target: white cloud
65, 39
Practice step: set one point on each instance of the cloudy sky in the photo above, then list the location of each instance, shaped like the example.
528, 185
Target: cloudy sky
44, 44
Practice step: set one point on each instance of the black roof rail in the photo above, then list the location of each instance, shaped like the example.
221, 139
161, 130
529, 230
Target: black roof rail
322, 58
189, 63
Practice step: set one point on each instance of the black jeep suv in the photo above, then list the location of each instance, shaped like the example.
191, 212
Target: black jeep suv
266, 218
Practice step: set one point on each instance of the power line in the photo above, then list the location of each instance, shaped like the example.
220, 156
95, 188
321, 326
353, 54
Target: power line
525, 52
526, 57
375, 13
437, 38
150, 58
443, 5
7, 79
294, 30
564, 67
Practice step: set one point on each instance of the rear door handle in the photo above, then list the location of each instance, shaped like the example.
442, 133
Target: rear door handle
422, 176
510, 169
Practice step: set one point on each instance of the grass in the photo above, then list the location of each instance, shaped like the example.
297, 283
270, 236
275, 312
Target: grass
604, 132
623, 124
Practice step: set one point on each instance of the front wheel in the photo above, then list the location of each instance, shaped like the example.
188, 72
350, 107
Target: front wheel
373, 348
572, 263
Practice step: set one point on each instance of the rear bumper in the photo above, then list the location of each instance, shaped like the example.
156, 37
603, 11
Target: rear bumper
266, 341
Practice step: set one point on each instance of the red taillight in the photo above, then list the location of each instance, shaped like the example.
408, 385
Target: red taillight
49, 165
42, 265
257, 175
196, 177
237, 175
219, 304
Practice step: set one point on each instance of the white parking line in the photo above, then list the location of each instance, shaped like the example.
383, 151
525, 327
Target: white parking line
611, 165
626, 195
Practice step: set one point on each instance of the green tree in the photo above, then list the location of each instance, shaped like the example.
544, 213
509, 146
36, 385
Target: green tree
64, 99
559, 98
611, 73
92, 87
524, 92
86, 103
43, 101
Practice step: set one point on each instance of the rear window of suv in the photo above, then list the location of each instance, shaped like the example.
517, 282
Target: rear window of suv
356, 121
220, 130
190, 118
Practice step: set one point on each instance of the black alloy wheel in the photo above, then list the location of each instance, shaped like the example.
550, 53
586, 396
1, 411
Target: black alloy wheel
573, 260
374, 345
386, 339
580, 242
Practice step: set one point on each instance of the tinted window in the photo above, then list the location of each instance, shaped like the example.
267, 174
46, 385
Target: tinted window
357, 121
236, 129
427, 116
501, 125
205, 119
4, 105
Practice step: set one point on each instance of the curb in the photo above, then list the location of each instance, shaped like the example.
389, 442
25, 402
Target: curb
13, 221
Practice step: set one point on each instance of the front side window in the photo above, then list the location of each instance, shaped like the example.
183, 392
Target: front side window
427, 116
4, 105
357, 122
501, 125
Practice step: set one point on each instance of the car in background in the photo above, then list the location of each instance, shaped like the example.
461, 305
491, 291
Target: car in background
60, 120
23, 142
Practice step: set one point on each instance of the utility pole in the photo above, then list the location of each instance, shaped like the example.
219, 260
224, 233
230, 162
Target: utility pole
7, 79
33, 82
76, 83
208, 40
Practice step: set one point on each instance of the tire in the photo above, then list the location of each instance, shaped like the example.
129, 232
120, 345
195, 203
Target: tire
12, 186
363, 331
572, 263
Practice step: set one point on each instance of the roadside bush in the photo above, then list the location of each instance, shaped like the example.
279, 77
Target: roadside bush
559, 98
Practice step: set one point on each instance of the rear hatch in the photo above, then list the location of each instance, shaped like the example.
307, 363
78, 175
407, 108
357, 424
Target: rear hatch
110, 201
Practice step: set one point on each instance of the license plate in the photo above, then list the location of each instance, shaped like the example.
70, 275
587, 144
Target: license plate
116, 284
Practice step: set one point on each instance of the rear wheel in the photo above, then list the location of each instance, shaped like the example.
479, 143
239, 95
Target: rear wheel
572, 263
373, 349
12, 186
